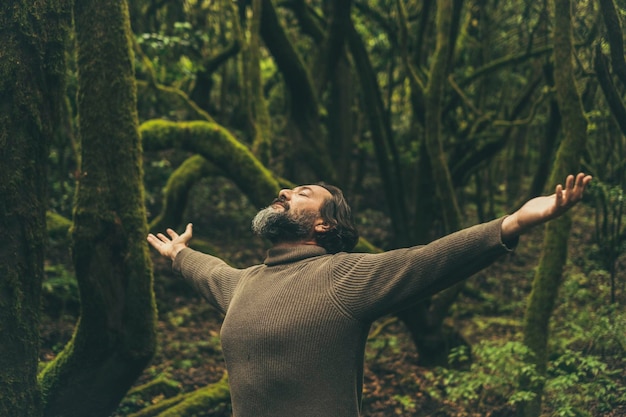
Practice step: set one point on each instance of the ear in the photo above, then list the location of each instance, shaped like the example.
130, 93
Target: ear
321, 226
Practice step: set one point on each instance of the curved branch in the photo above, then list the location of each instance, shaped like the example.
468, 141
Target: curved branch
465, 161
177, 190
219, 147
505, 61
204, 80
187, 109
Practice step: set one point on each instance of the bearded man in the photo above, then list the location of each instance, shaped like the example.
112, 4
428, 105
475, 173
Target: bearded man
295, 327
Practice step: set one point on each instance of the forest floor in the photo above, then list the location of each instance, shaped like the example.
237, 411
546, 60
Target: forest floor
489, 309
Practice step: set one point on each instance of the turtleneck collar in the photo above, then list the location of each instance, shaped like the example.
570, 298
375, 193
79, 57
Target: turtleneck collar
288, 254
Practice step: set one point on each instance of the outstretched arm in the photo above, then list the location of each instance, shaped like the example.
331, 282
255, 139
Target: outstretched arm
542, 209
169, 247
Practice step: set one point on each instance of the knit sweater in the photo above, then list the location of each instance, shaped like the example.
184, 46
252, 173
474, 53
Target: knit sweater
295, 327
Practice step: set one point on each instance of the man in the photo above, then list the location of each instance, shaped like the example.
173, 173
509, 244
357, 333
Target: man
295, 327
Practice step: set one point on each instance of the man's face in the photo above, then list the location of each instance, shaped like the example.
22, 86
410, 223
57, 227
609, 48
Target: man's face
293, 216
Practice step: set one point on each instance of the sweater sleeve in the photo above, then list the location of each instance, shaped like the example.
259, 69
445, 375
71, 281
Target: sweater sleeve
210, 276
369, 286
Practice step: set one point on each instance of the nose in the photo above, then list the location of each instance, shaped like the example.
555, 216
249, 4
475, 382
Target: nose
285, 194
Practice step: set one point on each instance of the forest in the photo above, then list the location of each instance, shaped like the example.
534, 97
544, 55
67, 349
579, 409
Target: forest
122, 118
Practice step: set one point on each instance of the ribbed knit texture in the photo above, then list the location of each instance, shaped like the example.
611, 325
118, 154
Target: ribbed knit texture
295, 327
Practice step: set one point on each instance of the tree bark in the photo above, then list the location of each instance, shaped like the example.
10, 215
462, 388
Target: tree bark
548, 275
32, 84
115, 336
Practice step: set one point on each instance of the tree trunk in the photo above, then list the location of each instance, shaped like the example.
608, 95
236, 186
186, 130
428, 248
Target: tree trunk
386, 154
115, 336
304, 104
259, 113
32, 82
434, 94
548, 276
548, 148
425, 319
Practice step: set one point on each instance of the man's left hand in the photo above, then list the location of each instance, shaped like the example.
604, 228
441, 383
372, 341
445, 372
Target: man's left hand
542, 209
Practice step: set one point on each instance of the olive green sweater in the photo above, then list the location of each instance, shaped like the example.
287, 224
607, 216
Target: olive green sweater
295, 327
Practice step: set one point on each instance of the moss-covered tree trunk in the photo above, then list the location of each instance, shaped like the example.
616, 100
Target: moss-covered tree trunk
115, 336
32, 73
259, 113
548, 275
425, 319
434, 94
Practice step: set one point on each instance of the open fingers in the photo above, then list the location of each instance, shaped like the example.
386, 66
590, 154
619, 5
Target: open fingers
158, 243
582, 179
152, 239
575, 187
580, 183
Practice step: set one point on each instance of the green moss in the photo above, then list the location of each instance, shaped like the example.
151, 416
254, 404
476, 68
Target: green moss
177, 190
218, 146
31, 88
190, 404
57, 225
365, 246
158, 386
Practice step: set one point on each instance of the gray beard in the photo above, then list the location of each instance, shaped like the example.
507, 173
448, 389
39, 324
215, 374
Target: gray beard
282, 226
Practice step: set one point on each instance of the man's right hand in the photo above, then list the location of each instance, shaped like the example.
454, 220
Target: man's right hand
169, 247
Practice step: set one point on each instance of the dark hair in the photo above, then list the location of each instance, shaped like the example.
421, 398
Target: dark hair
342, 235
